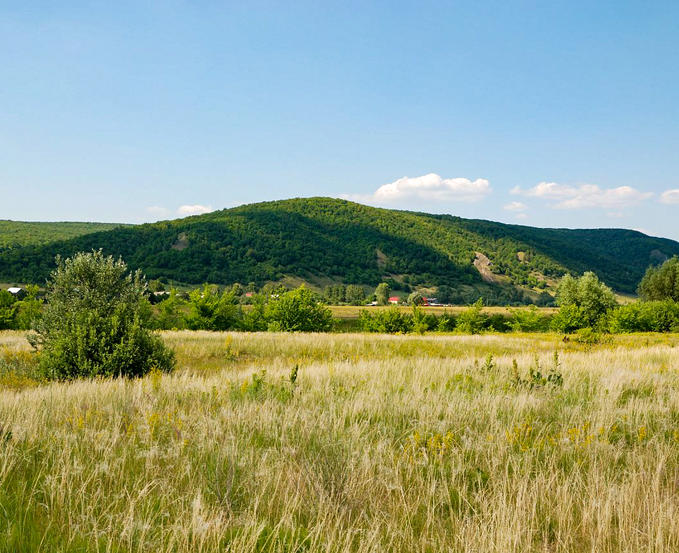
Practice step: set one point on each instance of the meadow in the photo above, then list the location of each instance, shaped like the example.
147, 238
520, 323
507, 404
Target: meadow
277, 442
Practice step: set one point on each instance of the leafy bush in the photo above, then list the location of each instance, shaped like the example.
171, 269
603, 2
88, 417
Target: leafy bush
528, 320
446, 322
472, 320
211, 310
661, 283
390, 321
7, 309
170, 313
94, 322
422, 321
584, 302
298, 311
569, 319
28, 310
652, 316
587, 336
498, 322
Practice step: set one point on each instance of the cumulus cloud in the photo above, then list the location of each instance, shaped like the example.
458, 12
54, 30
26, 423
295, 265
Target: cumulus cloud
427, 188
196, 209
434, 187
516, 207
670, 196
567, 196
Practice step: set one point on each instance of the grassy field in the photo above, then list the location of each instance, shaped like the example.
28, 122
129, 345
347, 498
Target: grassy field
380, 443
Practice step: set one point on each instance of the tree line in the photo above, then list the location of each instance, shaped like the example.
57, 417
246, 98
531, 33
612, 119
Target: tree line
96, 319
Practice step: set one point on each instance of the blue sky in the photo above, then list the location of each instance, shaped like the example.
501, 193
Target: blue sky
539, 113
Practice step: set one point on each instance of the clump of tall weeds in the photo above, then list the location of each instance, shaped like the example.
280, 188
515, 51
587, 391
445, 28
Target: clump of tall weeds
536, 378
261, 387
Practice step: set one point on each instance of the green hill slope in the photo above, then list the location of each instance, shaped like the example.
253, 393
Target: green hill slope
329, 240
15, 234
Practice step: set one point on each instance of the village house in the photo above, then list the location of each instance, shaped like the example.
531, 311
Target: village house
17, 292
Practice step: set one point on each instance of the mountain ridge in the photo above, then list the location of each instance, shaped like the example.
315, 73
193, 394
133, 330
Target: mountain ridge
322, 239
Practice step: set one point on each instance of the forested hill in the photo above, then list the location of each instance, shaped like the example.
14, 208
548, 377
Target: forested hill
15, 234
324, 240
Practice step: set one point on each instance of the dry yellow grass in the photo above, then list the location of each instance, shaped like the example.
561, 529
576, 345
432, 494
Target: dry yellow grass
353, 311
384, 443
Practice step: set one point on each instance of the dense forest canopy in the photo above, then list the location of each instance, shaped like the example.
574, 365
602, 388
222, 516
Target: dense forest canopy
15, 234
324, 240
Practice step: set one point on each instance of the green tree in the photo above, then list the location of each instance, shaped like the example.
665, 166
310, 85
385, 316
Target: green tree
156, 286
661, 283
7, 310
472, 320
335, 294
94, 322
254, 319
416, 298
382, 293
583, 302
355, 294
170, 312
210, 310
389, 321
298, 311
527, 320
29, 309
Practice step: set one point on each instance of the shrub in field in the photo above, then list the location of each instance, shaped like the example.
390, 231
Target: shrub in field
211, 310
652, 316
584, 302
254, 319
528, 320
170, 313
94, 322
29, 310
422, 321
298, 311
446, 322
569, 319
587, 336
7, 309
20, 314
390, 321
661, 283
497, 322
472, 320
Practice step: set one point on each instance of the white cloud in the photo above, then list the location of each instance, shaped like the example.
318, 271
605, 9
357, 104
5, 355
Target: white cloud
428, 188
516, 207
670, 196
197, 209
585, 195
158, 211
